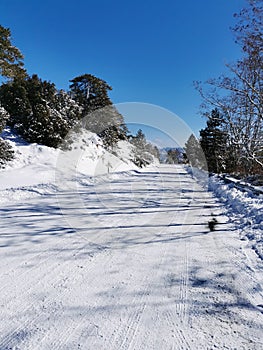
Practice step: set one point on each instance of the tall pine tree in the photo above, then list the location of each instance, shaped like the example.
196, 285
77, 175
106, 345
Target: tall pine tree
213, 142
11, 59
90, 92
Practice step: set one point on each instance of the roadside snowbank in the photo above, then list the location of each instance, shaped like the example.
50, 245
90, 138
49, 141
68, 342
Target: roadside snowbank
245, 210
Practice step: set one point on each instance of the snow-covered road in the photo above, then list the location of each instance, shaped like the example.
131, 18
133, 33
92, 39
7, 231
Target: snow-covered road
127, 262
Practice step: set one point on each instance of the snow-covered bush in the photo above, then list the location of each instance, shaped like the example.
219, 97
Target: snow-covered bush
6, 152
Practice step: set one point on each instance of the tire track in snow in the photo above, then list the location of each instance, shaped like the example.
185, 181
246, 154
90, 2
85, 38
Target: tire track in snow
181, 307
40, 270
29, 326
123, 337
77, 334
178, 333
182, 304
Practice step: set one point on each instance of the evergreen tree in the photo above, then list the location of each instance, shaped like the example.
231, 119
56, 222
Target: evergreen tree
6, 151
105, 118
11, 59
194, 153
4, 116
38, 112
154, 150
14, 98
141, 154
99, 115
214, 143
90, 92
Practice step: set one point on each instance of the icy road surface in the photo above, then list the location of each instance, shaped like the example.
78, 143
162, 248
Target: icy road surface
128, 263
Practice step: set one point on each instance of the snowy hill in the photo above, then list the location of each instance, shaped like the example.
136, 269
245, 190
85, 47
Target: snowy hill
43, 169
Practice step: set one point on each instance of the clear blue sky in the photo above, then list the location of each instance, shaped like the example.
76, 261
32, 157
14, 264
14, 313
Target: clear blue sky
148, 51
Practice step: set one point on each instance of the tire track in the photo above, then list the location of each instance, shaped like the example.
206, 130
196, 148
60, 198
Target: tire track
50, 304
177, 332
182, 304
77, 333
124, 336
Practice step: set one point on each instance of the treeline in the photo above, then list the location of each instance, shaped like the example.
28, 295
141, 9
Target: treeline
40, 113
232, 140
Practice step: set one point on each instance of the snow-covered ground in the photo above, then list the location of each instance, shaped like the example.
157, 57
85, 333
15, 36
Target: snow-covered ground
38, 169
245, 209
122, 260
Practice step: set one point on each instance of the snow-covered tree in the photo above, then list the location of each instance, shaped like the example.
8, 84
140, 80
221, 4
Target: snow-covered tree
239, 95
38, 112
214, 143
142, 155
108, 123
194, 153
6, 151
98, 113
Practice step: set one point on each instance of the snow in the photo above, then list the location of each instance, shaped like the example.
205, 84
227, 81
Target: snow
38, 169
123, 259
245, 210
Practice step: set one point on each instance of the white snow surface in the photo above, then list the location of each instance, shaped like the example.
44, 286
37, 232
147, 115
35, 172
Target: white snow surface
245, 210
39, 169
121, 260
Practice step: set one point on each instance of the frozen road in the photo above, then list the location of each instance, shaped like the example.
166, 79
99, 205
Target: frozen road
127, 262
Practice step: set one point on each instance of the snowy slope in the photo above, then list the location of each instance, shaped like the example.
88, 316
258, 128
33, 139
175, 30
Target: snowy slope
127, 262
39, 169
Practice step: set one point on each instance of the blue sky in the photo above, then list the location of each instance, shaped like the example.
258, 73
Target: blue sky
148, 51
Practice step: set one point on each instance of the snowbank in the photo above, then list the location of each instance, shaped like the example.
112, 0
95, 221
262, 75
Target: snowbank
245, 207
245, 210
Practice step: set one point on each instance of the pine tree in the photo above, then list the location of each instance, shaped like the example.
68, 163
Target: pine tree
38, 112
194, 153
214, 143
90, 92
11, 59
98, 113
6, 151
141, 155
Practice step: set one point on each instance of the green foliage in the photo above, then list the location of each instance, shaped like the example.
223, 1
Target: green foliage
90, 92
38, 112
214, 143
4, 116
98, 113
11, 59
6, 153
